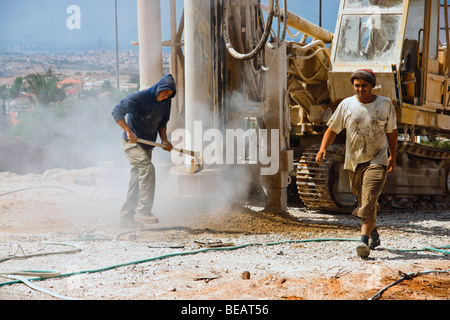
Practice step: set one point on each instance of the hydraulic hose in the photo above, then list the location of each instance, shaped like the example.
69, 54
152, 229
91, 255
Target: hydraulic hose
262, 41
280, 39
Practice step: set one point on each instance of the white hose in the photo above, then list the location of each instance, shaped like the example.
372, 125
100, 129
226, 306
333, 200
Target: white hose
37, 288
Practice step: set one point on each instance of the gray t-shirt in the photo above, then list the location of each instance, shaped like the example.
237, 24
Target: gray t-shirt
366, 127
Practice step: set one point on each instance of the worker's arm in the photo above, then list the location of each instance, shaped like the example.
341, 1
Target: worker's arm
327, 141
164, 141
392, 143
132, 138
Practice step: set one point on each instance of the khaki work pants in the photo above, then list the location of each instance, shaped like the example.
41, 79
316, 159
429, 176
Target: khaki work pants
367, 183
141, 189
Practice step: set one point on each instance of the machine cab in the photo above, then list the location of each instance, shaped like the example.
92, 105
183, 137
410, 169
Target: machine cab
402, 41
369, 34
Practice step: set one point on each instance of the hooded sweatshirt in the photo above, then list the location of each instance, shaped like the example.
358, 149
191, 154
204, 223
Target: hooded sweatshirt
145, 114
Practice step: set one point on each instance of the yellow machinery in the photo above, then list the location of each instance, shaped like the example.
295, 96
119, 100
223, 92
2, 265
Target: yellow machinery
403, 42
236, 68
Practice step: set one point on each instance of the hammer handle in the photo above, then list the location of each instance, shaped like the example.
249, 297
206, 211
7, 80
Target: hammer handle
155, 144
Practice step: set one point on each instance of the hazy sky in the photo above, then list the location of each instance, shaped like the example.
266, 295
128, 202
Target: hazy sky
45, 20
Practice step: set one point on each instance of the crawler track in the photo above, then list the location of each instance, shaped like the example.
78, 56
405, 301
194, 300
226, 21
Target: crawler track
418, 150
314, 182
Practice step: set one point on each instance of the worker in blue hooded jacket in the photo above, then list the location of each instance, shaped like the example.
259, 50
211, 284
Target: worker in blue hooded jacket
143, 114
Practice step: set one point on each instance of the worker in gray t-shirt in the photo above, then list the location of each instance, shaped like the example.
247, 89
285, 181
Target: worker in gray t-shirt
370, 150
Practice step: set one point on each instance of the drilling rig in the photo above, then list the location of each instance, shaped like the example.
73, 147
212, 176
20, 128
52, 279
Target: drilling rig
237, 65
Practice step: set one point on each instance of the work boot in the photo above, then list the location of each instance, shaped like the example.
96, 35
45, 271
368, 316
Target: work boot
145, 218
362, 250
128, 222
374, 239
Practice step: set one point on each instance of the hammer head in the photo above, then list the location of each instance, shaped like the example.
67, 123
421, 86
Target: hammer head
196, 165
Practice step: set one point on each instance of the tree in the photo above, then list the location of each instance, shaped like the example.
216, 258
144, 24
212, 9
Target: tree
4, 117
45, 88
16, 87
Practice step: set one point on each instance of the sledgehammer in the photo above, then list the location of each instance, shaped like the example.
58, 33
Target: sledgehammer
196, 163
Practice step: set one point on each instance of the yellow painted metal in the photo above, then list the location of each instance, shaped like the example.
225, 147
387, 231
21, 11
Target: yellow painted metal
413, 116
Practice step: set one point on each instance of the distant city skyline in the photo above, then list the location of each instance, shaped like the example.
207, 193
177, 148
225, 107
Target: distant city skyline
84, 23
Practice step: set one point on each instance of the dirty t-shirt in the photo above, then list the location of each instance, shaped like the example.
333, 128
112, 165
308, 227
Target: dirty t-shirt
366, 127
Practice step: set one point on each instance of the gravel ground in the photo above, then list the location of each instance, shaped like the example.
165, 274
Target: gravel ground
240, 252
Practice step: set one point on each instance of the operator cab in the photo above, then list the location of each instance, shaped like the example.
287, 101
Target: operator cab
369, 34
403, 42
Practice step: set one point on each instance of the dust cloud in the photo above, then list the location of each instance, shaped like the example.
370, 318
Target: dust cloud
215, 189
72, 136
81, 151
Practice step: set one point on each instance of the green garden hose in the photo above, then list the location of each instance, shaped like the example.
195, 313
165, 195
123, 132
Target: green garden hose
42, 275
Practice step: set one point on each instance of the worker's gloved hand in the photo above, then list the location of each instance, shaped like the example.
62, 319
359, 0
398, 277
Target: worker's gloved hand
166, 145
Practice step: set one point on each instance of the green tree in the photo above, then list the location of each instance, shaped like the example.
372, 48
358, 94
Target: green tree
4, 117
16, 87
45, 88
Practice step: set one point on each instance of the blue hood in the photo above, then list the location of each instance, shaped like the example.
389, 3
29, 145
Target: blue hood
145, 115
165, 83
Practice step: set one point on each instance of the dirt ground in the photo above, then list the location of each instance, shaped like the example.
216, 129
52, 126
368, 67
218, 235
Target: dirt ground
249, 254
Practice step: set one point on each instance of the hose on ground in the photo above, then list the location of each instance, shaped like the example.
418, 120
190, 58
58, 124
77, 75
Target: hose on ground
41, 274
174, 254
36, 187
20, 276
75, 249
47, 275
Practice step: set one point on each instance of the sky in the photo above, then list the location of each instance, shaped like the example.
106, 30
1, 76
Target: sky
46, 20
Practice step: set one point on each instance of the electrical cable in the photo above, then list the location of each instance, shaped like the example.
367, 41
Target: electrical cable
407, 276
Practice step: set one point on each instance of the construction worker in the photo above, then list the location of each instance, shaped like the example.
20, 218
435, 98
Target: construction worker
371, 144
148, 112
